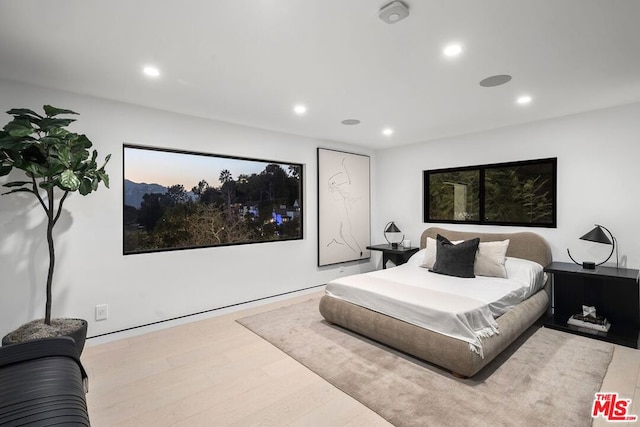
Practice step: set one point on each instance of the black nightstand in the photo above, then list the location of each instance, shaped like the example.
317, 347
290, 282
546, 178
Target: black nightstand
614, 292
398, 255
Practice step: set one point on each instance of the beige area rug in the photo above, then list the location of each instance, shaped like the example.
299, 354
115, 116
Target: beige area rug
546, 378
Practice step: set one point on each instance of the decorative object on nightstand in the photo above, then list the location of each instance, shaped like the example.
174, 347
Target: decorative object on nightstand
597, 235
588, 319
393, 235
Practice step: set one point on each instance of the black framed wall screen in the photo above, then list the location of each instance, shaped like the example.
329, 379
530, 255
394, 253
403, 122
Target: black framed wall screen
519, 193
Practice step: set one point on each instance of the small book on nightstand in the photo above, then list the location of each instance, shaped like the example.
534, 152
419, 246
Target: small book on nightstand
588, 319
596, 323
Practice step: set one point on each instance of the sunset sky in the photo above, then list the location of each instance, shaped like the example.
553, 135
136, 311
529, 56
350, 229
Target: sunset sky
168, 168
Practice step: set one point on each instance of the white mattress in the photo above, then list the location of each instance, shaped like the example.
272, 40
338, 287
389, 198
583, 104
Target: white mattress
460, 308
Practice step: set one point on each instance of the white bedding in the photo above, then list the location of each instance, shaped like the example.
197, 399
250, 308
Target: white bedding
460, 308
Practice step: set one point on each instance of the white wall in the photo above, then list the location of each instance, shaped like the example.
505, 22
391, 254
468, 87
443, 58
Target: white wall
146, 288
597, 179
598, 176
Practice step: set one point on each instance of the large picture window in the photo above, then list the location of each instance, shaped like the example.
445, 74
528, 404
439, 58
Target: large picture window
516, 193
181, 200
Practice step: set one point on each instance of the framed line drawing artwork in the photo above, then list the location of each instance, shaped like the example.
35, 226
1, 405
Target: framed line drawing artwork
344, 207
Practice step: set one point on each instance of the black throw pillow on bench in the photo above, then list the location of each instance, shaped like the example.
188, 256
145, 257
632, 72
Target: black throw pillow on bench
455, 260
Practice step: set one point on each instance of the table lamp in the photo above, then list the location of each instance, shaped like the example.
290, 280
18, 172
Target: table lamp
393, 235
597, 235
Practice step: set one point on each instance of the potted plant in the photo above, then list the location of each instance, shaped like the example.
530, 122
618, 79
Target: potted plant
56, 162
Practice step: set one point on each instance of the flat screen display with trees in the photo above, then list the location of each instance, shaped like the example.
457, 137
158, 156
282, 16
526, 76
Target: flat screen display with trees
182, 200
516, 193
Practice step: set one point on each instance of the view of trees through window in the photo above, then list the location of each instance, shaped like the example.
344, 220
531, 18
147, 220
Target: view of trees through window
454, 195
518, 193
521, 194
246, 202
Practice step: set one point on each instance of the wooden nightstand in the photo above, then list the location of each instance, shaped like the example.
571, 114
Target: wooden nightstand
614, 292
398, 255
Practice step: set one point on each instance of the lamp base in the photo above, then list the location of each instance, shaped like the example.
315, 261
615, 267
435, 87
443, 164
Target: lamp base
589, 265
394, 245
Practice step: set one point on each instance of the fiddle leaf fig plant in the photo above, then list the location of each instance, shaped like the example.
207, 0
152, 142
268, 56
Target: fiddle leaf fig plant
56, 162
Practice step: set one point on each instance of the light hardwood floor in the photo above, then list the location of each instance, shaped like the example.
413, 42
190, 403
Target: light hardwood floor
215, 372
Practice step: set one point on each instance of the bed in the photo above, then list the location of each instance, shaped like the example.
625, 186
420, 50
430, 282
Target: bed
448, 350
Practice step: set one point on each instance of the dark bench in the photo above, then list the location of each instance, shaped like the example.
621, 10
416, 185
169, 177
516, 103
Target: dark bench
42, 383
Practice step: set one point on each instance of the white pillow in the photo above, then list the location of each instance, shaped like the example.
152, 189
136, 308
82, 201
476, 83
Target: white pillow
490, 259
430, 254
529, 273
417, 258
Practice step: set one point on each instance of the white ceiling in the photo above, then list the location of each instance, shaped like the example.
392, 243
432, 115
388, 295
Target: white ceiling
250, 61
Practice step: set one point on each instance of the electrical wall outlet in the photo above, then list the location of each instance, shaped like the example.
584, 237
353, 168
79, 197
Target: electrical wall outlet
102, 311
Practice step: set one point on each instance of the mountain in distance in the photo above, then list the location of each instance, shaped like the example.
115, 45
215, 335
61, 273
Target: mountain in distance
134, 192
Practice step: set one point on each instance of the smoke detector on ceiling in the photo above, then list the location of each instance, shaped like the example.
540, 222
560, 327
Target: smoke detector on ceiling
394, 12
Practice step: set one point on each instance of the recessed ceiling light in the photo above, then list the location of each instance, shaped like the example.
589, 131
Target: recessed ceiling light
452, 50
387, 131
151, 71
350, 122
300, 109
496, 80
524, 99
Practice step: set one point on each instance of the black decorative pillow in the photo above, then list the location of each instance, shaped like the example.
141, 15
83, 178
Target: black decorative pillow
455, 260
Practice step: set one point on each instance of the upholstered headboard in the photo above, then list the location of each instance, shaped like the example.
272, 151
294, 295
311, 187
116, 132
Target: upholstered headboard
524, 244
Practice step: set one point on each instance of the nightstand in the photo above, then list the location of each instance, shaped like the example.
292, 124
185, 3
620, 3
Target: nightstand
398, 255
614, 292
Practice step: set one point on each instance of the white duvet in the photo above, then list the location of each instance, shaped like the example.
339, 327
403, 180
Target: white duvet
459, 308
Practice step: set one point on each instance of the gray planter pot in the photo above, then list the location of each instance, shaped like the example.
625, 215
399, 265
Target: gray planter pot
36, 329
